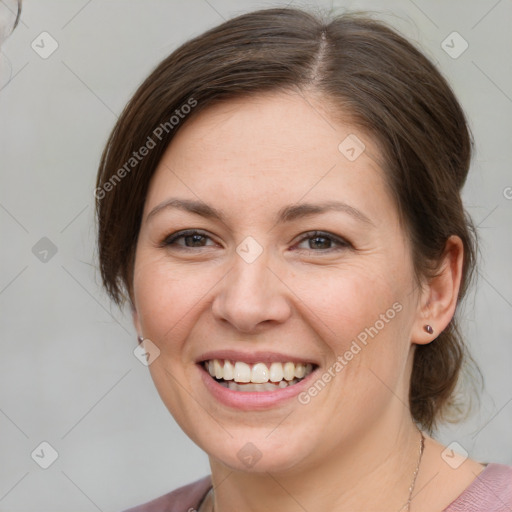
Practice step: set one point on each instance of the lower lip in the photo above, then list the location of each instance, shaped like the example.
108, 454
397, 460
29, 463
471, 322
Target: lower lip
253, 400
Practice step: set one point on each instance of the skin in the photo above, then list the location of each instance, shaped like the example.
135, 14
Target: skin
354, 445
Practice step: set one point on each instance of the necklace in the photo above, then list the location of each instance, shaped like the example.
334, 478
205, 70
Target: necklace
414, 476
207, 504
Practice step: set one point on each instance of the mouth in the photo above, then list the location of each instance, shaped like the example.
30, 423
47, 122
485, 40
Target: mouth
257, 377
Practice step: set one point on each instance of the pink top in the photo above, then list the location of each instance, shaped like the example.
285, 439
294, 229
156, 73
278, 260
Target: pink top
491, 491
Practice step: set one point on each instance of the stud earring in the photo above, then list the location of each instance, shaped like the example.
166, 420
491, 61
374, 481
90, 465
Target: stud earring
140, 339
428, 329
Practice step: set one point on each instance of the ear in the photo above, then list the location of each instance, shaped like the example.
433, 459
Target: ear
136, 320
439, 297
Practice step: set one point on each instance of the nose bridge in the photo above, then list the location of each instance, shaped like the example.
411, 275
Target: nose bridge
251, 294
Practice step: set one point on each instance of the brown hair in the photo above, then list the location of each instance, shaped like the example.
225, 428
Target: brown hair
359, 67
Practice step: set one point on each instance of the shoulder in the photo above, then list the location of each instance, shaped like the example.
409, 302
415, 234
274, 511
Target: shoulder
491, 491
183, 499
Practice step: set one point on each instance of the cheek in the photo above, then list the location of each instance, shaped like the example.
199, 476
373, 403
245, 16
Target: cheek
167, 297
362, 318
168, 300
345, 301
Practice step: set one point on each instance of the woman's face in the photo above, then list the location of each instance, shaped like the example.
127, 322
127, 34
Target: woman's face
298, 258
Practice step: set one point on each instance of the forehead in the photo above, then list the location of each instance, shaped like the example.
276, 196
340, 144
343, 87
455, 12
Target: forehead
269, 126
270, 148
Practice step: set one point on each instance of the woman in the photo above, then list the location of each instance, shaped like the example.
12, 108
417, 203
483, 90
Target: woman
280, 204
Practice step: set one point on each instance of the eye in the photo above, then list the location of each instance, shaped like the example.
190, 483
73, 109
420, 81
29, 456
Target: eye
190, 238
319, 241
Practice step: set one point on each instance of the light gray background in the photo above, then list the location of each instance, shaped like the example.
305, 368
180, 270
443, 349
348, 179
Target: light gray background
68, 374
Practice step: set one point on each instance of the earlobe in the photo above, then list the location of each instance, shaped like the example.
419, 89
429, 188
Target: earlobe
439, 300
136, 323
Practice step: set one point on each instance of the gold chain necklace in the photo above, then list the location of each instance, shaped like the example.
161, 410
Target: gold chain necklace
207, 504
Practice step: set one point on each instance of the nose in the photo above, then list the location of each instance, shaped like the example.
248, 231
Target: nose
252, 296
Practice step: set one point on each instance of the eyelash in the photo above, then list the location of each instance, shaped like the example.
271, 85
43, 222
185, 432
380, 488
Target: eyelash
342, 244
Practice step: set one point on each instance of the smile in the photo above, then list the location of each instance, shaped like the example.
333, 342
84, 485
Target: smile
258, 377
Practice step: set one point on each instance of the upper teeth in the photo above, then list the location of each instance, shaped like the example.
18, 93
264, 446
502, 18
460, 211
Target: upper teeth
258, 373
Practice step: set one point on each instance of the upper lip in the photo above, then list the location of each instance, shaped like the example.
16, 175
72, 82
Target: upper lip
253, 357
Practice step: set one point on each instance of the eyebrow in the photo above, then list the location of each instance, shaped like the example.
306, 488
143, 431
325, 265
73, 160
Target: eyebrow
286, 214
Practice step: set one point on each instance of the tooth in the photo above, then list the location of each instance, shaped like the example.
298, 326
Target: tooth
289, 371
249, 387
300, 370
276, 372
259, 373
254, 387
242, 372
218, 369
228, 370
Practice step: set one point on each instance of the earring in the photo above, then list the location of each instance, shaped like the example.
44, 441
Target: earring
140, 339
428, 328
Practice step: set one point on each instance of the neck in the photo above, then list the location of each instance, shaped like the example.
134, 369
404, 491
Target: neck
372, 472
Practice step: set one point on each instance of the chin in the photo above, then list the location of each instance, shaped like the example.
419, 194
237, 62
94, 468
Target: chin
258, 451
